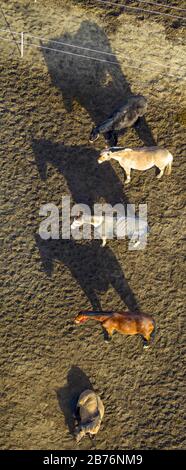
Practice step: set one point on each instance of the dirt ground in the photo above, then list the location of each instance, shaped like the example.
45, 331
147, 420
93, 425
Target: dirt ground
49, 102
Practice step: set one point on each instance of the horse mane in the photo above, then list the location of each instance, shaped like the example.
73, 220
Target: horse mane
115, 149
112, 149
96, 313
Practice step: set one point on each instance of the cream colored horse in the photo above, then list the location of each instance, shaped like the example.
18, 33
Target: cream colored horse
108, 227
139, 159
90, 411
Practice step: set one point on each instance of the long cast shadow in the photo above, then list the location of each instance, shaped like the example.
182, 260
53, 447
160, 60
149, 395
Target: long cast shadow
86, 179
98, 86
77, 382
94, 268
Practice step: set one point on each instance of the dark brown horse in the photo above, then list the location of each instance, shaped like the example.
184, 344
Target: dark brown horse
125, 116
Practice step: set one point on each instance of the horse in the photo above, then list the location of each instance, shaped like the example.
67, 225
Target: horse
108, 227
89, 414
125, 116
128, 323
139, 159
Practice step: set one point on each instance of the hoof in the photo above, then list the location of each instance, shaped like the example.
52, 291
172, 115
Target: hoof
107, 339
136, 244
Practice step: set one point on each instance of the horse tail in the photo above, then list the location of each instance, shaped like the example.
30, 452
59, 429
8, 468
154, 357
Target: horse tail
169, 165
153, 334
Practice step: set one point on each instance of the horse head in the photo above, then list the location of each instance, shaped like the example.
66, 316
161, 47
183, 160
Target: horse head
105, 155
93, 135
78, 221
80, 318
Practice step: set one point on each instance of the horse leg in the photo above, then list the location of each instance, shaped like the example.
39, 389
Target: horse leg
137, 124
146, 344
114, 139
98, 230
136, 244
111, 138
108, 330
107, 338
146, 340
147, 336
168, 168
107, 136
92, 440
127, 171
160, 174
152, 335
104, 241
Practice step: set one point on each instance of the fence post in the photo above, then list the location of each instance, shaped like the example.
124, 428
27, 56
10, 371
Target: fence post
22, 44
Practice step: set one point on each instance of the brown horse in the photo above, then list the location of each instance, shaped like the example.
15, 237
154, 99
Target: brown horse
125, 322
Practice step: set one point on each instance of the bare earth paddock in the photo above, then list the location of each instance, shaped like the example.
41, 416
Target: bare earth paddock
49, 102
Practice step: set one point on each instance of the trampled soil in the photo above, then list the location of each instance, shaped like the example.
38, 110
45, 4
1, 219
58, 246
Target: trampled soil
49, 103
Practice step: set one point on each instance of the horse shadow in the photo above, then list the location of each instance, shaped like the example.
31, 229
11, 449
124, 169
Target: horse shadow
94, 268
99, 86
77, 382
87, 181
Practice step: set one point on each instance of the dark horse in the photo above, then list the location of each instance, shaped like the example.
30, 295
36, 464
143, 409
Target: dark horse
100, 87
125, 116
